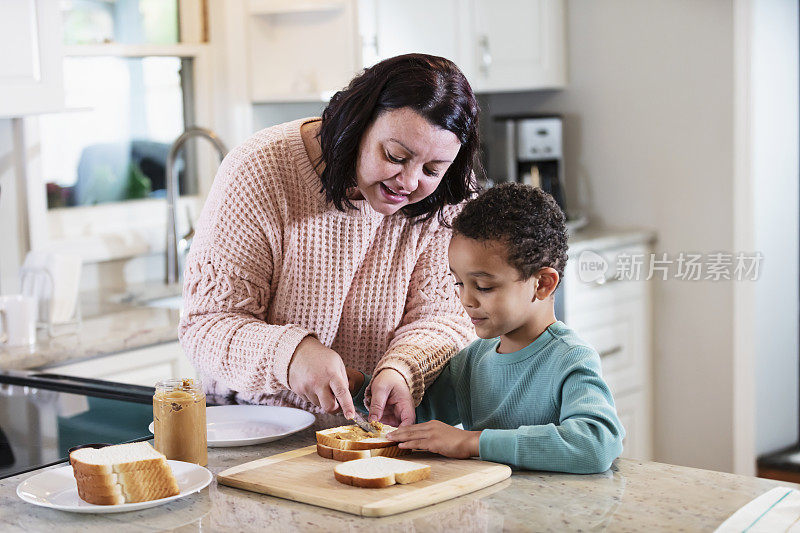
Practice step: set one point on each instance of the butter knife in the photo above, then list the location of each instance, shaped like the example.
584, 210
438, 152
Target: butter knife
363, 424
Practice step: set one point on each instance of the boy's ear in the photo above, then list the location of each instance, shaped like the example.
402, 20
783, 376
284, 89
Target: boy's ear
546, 283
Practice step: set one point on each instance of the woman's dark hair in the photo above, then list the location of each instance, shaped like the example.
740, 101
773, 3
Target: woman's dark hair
432, 86
526, 219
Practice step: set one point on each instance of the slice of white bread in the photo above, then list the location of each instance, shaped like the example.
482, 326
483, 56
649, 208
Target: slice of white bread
119, 458
126, 492
125, 473
133, 485
146, 475
351, 455
354, 438
379, 472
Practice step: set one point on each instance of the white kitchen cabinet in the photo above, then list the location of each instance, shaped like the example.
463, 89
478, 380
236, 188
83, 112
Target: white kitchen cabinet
143, 366
306, 50
614, 316
31, 79
516, 45
500, 45
300, 51
394, 27
619, 334
632, 410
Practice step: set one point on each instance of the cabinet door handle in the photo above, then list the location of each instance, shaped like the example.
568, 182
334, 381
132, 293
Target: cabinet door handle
485, 53
611, 351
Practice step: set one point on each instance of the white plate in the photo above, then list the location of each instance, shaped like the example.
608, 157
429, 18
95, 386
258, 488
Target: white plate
57, 489
243, 425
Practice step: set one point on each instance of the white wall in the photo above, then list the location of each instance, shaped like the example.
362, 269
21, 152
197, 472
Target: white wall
774, 161
649, 141
265, 115
11, 242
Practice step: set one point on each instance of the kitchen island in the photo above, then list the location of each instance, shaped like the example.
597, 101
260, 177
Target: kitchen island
631, 496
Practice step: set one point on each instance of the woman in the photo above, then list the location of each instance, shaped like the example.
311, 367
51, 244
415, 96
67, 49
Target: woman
323, 244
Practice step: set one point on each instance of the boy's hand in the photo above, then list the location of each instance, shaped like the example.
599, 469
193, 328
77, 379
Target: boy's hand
438, 437
355, 380
389, 399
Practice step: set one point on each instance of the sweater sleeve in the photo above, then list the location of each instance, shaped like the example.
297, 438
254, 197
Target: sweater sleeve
227, 281
439, 402
587, 438
434, 325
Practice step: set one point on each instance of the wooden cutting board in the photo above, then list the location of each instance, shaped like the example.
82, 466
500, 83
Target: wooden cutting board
302, 475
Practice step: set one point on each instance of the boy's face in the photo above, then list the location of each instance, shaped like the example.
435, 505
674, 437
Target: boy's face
490, 289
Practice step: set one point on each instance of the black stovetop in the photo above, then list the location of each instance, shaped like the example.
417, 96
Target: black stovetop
43, 415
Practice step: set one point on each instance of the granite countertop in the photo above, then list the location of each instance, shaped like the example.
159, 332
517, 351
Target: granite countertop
109, 325
113, 323
631, 496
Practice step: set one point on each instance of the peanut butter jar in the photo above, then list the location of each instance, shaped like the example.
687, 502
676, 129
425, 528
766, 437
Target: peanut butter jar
179, 419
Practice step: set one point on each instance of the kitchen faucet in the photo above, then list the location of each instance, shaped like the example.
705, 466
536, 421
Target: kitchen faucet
173, 267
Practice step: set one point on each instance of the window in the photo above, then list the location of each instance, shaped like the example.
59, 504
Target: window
136, 74
122, 113
120, 21
112, 142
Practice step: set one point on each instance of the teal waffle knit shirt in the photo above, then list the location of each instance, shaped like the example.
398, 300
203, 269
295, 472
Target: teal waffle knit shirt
545, 407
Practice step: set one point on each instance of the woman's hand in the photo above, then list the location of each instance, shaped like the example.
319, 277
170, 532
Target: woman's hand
317, 374
390, 399
355, 380
438, 437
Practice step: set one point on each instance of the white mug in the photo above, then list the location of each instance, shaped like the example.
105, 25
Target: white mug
18, 315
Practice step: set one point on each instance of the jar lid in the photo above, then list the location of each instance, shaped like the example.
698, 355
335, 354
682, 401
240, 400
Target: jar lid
188, 385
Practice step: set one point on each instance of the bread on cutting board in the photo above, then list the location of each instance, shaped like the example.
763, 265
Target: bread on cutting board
125, 473
379, 472
351, 455
368, 460
354, 438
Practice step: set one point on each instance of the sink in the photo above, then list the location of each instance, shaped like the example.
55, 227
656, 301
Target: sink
152, 295
169, 302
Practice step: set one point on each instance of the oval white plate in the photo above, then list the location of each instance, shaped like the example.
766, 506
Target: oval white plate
57, 489
243, 425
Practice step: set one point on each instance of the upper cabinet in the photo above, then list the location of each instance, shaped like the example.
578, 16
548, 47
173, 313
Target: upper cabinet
301, 50
30, 65
500, 45
307, 49
393, 27
516, 45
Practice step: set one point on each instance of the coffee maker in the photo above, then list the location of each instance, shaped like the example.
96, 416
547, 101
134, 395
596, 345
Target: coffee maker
533, 153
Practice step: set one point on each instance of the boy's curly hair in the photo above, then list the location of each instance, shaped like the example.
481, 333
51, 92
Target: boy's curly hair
526, 219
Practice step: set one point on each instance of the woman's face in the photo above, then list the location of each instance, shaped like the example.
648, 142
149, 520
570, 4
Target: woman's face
401, 159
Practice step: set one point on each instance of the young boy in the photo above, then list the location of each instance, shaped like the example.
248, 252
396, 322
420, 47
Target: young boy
529, 391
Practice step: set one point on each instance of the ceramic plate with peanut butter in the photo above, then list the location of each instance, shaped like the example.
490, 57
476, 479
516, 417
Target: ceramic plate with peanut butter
243, 425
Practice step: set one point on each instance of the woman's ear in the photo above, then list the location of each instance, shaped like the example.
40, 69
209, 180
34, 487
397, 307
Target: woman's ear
546, 283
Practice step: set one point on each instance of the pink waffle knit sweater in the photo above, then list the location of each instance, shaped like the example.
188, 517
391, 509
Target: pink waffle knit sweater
272, 263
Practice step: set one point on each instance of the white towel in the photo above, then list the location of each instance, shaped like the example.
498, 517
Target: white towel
54, 279
66, 272
775, 510
35, 282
